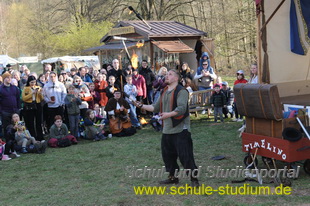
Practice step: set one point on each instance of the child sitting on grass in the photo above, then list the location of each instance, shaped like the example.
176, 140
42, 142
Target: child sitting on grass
93, 131
59, 134
23, 137
98, 112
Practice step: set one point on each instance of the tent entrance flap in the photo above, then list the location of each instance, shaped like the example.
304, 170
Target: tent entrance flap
173, 46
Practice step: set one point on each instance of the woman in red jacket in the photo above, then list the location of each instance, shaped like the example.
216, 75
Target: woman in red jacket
100, 85
139, 81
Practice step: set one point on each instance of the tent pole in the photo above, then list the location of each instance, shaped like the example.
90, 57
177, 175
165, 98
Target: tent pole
259, 43
273, 13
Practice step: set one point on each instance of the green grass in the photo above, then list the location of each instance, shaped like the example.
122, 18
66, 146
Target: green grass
94, 173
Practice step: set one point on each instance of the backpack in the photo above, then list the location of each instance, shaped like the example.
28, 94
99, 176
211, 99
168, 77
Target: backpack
64, 142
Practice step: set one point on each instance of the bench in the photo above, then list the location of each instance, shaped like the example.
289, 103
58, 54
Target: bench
199, 101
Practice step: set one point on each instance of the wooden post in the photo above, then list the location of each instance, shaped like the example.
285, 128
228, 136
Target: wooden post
259, 49
152, 56
120, 67
100, 60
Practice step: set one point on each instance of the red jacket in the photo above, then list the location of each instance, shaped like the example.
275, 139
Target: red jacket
101, 89
139, 82
240, 81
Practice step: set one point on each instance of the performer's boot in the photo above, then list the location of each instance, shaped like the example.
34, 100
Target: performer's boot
170, 180
194, 182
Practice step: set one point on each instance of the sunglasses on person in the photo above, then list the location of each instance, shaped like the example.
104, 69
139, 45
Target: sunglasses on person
204, 64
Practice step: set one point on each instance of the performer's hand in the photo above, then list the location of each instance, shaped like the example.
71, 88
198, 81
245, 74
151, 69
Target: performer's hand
121, 108
137, 104
164, 115
112, 89
212, 105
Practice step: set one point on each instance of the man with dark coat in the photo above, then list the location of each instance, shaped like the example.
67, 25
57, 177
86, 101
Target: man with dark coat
149, 77
9, 100
117, 73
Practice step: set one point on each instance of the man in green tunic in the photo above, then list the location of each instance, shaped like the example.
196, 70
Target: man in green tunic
172, 107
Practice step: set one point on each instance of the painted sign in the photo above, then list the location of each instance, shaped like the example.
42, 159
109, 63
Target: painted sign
276, 148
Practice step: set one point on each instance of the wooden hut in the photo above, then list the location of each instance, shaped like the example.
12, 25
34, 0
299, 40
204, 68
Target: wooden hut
161, 43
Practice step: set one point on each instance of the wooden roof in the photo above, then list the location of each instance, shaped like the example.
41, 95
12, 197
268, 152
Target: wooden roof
111, 46
159, 29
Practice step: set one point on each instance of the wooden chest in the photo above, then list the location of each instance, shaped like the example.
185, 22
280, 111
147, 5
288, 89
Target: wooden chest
258, 100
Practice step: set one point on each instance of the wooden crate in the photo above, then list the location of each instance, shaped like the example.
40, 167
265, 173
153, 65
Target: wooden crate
265, 127
272, 128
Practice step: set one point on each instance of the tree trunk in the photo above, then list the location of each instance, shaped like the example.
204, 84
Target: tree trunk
225, 34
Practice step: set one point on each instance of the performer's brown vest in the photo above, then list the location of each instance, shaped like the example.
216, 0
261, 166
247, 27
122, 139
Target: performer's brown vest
173, 102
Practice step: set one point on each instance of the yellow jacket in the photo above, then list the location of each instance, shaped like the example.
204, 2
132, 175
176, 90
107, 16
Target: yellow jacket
27, 94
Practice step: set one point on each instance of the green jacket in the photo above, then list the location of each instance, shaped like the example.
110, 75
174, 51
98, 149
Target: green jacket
58, 133
72, 106
182, 103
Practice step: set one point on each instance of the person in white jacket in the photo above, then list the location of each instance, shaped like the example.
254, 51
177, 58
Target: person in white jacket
131, 92
54, 93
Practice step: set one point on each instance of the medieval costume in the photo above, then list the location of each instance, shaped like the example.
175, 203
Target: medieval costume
118, 110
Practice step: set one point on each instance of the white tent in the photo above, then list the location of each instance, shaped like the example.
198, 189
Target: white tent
5, 59
74, 61
70, 59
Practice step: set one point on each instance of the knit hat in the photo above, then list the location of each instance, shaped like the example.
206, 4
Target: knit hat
6, 75
240, 72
